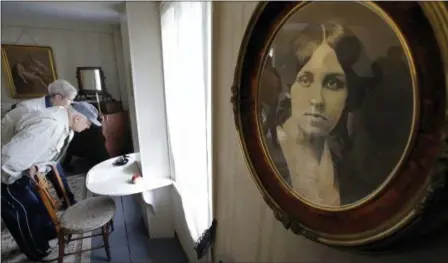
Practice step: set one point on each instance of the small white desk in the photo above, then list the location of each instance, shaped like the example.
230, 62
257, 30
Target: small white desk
107, 179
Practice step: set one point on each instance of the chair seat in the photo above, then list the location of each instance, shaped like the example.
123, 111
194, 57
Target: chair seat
88, 214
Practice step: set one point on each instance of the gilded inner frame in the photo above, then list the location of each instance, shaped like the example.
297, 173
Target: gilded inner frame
409, 91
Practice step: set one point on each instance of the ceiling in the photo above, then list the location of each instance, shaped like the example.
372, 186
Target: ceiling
88, 11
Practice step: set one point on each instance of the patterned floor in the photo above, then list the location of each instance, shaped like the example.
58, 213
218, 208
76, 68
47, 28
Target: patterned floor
11, 254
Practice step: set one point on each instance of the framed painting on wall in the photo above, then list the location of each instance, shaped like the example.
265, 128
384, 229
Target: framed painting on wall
28, 69
341, 112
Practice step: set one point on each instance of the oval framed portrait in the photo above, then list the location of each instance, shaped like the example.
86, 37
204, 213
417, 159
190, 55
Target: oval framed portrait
341, 113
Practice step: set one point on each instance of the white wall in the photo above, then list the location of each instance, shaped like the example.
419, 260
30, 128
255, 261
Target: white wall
247, 230
74, 44
121, 66
142, 25
163, 209
129, 90
147, 78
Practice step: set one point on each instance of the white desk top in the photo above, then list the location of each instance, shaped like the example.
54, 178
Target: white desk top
107, 179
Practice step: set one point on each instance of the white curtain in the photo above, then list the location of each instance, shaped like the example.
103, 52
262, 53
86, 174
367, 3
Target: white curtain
186, 67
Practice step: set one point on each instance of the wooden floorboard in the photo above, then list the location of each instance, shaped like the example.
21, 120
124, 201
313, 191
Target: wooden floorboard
117, 240
136, 247
137, 233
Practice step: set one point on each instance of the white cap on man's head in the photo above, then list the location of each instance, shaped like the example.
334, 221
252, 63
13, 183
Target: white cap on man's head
63, 88
88, 110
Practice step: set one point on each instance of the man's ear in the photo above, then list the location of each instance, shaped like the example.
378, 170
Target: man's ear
76, 118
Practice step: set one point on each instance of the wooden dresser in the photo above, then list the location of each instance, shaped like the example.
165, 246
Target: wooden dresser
116, 130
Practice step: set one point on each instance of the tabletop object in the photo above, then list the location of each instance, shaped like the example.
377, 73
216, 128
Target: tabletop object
107, 179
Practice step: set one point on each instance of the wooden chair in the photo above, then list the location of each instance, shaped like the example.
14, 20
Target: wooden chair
85, 216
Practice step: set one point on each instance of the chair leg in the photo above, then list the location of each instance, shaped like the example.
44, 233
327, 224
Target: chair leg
61, 242
105, 233
68, 239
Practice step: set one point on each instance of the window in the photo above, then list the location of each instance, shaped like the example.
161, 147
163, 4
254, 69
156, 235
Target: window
186, 48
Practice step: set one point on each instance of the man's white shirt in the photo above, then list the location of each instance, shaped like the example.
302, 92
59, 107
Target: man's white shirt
38, 139
14, 115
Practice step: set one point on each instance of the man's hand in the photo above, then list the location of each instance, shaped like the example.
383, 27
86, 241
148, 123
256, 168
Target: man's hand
33, 170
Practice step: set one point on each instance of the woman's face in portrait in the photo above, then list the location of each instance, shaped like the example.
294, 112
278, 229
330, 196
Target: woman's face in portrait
319, 93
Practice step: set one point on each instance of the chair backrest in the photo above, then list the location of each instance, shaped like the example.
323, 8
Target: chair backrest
52, 203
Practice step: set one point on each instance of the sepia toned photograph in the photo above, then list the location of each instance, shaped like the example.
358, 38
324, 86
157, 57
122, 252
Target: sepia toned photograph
337, 102
28, 69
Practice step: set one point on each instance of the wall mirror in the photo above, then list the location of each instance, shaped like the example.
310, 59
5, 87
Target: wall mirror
90, 79
92, 88
340, 108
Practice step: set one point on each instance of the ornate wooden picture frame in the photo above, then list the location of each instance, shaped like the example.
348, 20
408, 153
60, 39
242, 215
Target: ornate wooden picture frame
28, 69
341, 112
